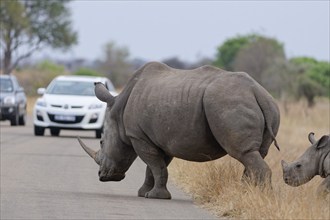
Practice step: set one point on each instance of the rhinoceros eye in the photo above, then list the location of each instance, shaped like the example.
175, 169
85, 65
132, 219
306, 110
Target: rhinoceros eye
298, 166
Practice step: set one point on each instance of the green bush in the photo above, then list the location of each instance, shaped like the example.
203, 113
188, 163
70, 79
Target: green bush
39, 76
86, 72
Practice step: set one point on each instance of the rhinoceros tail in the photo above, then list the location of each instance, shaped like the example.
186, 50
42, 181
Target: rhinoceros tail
270, 111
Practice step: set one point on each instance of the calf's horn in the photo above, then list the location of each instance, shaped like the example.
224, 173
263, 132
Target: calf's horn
311, 138
89, 151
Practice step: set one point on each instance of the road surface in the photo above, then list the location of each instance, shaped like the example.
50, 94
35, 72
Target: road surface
53, 178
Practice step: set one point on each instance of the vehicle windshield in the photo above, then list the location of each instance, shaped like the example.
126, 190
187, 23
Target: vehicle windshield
6, 85
64, 87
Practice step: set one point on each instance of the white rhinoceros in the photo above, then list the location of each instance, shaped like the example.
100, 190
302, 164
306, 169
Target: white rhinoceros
196, 115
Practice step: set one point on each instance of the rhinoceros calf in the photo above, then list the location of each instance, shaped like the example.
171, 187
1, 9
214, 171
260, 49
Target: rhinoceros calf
196, 115
314, 161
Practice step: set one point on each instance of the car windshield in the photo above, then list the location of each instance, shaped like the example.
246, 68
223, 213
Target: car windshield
64, 87
6, 85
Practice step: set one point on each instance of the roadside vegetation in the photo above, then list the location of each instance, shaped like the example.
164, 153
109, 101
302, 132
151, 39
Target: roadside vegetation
217, 185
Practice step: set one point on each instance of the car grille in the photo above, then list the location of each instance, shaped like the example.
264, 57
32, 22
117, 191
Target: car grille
57, 106
67, 106
78, 119
73, 106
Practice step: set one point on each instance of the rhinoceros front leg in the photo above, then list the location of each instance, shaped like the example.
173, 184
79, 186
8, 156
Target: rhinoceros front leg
157, 162
324, 188
149, 180
148, 183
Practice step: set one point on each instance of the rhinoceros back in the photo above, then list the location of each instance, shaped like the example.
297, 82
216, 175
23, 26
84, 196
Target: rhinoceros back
199, 111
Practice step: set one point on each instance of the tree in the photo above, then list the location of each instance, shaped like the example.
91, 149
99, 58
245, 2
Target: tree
29, 26
318, 71
116, 64
309, 89
86, 72
227, 52
313, 79
258, 56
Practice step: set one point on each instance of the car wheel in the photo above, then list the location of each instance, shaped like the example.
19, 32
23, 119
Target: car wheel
55, 131
39, 131
98, 133
14, 120
21, 120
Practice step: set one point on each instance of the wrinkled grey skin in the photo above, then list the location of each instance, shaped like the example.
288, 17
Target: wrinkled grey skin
314, 161
196, 115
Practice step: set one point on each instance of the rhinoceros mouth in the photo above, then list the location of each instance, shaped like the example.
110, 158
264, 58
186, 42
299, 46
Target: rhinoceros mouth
113, 177
291, 182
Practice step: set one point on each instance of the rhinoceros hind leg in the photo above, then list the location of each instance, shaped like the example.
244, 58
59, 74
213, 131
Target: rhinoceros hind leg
256, 170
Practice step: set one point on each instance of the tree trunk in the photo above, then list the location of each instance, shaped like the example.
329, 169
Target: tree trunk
7, 62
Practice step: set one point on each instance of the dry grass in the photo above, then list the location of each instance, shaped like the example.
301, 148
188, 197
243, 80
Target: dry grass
31, 100
217, 185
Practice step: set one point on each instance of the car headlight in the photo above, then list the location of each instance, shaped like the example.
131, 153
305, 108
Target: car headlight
9, 100
41, 103
95, 106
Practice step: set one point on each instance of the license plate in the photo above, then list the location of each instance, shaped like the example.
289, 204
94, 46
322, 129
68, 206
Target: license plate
65, 118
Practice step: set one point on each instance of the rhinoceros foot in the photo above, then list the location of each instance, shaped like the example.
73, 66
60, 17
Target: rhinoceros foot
158, 194
143, 190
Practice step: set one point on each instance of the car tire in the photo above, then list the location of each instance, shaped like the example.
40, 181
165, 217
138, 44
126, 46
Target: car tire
14, 120
21, 120
55, 131
39, 131
98, 133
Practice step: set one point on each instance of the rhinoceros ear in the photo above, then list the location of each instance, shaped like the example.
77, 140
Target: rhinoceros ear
103, 94
311, 138
324, 141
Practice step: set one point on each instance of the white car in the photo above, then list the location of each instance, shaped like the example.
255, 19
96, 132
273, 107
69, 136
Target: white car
69, 102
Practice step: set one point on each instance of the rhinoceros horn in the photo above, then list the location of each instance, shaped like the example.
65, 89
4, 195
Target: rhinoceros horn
311, 138
89, 151
103, 94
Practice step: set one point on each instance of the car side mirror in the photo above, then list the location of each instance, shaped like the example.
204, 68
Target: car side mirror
41, 91
20, 89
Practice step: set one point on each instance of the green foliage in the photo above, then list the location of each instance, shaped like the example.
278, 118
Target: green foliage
86, 72
313, 78
303, 61
229, 51
33, 25
39, 76
49, 67
320, 73
317, 71
264, 59
309, 89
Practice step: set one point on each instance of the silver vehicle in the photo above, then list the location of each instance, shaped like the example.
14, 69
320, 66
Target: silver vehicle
12, 100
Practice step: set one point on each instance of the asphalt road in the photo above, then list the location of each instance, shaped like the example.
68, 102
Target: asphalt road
52, 178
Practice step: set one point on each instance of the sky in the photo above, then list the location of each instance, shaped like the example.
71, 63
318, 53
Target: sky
191, 30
